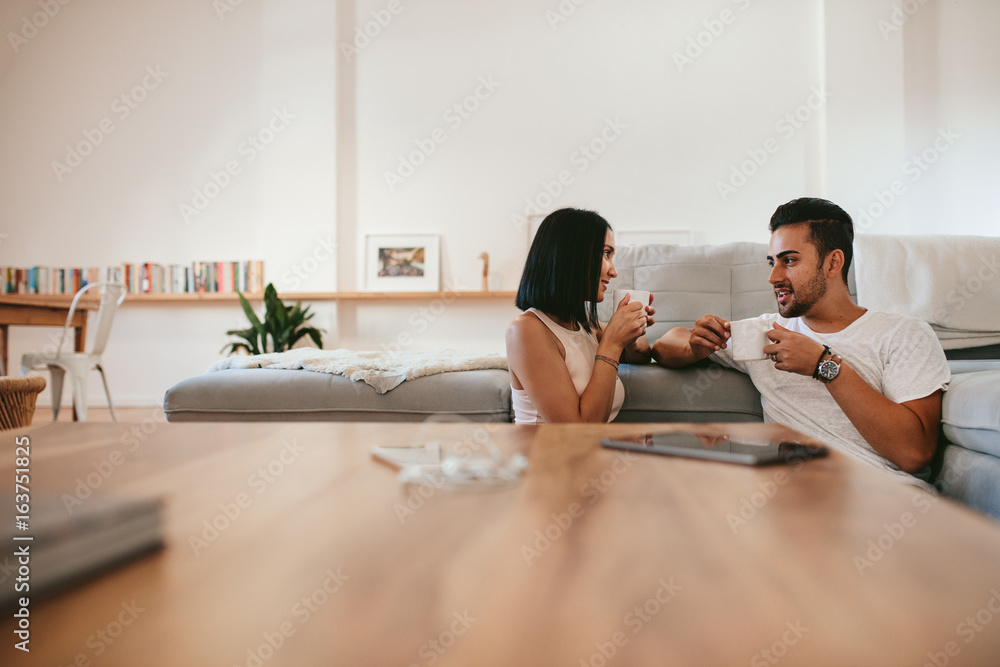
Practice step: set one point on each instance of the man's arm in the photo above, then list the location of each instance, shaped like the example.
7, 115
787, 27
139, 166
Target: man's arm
905, 433
681, 347
637, 353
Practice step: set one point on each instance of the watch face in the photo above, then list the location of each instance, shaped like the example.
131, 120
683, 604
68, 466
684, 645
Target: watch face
829, 369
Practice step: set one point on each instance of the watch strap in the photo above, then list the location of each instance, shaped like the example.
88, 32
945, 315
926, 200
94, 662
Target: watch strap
822, 356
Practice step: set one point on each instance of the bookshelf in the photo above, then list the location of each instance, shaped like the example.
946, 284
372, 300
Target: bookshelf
145, 277
63, 300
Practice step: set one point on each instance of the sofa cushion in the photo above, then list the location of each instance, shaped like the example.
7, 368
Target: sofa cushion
700, 394
265, 394
972, 365
969, 413
971, 478
729, 280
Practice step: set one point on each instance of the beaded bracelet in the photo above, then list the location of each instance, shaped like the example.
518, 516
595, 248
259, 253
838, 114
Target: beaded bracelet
607, 359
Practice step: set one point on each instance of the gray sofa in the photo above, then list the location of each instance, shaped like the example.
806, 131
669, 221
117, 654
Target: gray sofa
729, 280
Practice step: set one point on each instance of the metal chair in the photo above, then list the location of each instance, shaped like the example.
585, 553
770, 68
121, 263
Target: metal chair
79, 364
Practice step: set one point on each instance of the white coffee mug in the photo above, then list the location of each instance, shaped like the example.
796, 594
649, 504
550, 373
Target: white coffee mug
748, 338
637, 295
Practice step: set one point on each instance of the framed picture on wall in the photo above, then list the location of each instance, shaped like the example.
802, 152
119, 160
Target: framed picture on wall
666, 236
403, 263
626, 237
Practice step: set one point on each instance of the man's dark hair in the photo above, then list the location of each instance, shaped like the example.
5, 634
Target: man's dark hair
830, 227
563, 267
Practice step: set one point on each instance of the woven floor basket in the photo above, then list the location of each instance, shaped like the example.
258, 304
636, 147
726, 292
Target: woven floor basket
17, 400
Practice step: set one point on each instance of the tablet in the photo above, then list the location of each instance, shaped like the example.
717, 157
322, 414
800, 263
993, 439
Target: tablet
719, 448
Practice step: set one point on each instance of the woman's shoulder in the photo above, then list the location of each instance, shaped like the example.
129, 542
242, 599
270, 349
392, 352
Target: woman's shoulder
529, 327
525, 324
527, 332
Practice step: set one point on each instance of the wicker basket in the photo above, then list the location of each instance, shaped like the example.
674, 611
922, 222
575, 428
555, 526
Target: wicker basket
17, 400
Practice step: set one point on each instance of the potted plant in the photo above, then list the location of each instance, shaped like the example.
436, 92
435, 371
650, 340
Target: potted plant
284, 325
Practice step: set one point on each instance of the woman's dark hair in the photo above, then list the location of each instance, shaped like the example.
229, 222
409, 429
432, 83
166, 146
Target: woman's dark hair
830, 227
564, 266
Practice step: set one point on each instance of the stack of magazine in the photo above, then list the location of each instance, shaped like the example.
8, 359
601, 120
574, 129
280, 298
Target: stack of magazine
69, 548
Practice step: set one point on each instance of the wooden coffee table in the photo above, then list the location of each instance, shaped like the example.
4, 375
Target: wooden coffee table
289, 545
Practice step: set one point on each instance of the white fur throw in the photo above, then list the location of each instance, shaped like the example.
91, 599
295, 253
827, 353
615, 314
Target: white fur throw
382, 370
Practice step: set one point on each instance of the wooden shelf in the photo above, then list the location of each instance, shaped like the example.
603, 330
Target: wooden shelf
63, 300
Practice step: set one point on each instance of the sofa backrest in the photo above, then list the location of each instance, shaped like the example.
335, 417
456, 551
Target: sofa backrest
728, 280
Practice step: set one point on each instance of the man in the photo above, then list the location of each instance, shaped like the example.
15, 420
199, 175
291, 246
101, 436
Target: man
867, 383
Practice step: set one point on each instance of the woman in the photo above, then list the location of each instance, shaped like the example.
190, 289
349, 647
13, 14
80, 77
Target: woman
563, 363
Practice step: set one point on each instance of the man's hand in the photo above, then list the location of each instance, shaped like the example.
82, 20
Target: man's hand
793, 352
680, 346
709, 334
904, 433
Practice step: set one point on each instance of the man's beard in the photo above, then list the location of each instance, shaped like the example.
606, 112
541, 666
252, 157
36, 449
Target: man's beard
804, 297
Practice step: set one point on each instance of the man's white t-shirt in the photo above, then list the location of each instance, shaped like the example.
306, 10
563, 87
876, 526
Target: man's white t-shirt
899, 356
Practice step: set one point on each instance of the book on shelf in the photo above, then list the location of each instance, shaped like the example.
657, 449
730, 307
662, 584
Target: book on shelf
53, 280
139, 278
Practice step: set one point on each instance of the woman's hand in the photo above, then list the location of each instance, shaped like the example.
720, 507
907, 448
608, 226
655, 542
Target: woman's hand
650, 311
639, 351
627, 323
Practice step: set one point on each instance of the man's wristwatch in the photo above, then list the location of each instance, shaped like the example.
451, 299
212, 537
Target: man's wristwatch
827, 369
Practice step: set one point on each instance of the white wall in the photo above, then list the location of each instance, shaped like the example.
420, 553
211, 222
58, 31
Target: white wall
220, 79
678, 130
915, 104
682, 130
952, 82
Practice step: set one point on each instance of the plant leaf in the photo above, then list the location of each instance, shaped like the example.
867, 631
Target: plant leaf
316, 335
249, 311
285, 325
